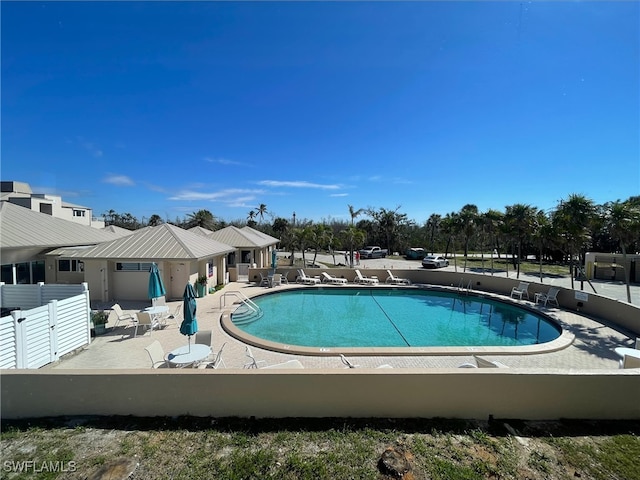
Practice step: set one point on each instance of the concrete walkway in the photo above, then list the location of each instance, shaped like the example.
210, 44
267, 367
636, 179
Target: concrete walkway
592, 348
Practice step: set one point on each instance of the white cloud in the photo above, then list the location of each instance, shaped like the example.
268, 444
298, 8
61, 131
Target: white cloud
227, 195
225, 161
119, 180
339, 195
297, 184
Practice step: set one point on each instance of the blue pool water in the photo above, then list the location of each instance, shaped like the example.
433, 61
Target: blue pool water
380, 317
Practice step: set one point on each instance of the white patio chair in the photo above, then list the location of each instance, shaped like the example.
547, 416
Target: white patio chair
276, 280
264, 281
144, 319
549, 297
216, 362
175, 316
522, 290
156, 354
120, 315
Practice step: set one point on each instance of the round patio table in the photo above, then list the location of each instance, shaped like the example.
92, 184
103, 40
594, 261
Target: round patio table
186, 355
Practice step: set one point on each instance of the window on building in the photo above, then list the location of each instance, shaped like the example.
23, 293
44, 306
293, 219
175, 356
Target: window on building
133, 267
66, 265
78, 213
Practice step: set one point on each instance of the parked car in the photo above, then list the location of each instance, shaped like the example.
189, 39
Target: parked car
373, 252
415, 253
434, 261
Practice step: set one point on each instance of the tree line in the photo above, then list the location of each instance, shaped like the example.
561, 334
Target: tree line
564, 234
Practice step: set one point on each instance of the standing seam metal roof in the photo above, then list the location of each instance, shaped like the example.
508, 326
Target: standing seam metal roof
165, 241
243, 237
21, 227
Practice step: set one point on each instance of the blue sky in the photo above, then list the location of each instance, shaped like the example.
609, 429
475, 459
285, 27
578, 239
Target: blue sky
171, 107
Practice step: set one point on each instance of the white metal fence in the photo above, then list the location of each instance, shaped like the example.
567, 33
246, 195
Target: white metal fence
45, 322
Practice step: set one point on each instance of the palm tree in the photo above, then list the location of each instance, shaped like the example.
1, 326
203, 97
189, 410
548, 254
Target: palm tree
468, 217
573, 219
433, 224
251, 218
542, 231
492, 220
154, 220
353, 213
450, 226
201, 218
262, 209
519, 219
352, 236
623, 222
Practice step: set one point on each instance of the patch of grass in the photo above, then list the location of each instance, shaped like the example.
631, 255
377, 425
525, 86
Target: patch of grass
292, 449
528, 267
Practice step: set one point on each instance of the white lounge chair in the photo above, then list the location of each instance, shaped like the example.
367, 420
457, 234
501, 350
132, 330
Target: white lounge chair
264, 281
303, 278
484, 363
396, 280
326, 278
252, 363
156, 354
522, 290
549, 297
287, 364
348, 364
362, 279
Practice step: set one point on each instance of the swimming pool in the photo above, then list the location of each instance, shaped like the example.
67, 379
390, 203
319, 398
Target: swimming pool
337, 318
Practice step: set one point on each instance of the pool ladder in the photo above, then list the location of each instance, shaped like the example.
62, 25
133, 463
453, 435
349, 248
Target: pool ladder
462, 288
251, 312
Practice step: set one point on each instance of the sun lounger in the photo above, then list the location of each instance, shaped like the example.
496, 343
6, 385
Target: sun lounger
362, 279
326, 278
396, 280
303, 278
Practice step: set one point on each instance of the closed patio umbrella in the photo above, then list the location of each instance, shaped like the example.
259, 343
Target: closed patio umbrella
156, 287
189, 325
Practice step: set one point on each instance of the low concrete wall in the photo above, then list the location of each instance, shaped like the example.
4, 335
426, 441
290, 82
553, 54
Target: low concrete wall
405, 393
612, 311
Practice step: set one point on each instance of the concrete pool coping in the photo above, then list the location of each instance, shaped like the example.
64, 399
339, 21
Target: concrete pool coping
563, 341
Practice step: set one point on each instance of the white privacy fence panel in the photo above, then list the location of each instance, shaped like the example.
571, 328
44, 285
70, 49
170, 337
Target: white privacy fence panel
34, 337
8, 347
21, 296
73, 324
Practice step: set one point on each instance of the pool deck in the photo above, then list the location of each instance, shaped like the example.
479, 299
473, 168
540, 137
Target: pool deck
592, 349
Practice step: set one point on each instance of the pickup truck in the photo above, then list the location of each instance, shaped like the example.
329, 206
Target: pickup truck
373, 252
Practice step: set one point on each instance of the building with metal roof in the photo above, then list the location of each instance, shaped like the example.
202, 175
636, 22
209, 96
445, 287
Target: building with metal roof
119, 269
251, 246
26, 235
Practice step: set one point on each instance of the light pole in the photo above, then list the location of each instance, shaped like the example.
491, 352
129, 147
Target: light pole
294, 219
